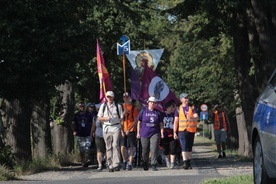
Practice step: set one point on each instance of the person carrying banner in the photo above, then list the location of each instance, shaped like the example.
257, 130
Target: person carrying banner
185, 126
128, 140
111, 115
149, 129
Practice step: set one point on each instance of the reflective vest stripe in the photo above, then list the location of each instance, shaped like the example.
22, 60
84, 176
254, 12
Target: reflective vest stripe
217, 122
185, 124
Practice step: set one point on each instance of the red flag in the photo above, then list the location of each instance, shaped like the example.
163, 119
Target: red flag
152, 85
105, 82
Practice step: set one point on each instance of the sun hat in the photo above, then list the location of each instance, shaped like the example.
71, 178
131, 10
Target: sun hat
152, 99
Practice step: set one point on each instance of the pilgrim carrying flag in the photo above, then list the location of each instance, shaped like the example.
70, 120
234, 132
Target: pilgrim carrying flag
104, 79
152, 85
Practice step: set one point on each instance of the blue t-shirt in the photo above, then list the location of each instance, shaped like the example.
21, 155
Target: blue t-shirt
150, 122
83, 123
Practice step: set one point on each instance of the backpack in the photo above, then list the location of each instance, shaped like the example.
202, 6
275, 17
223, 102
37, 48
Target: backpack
117, 109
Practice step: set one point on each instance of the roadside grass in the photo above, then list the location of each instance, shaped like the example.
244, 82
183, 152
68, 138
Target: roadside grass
52, 162
240, 179
6, 174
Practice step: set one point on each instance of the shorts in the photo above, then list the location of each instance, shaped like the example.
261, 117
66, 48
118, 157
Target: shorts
169, 146
100, 144
129, 141
220, 136
84, 144
186, 140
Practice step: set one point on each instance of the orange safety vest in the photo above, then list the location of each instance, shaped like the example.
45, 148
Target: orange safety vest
216, 120
129, 119
184, 124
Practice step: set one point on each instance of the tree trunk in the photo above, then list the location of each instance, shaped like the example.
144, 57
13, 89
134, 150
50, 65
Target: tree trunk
40, 128
244, 144
17, 119
246, 91
233, 137
62, 133
264, 17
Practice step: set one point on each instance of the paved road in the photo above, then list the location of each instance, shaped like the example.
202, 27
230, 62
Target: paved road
205, 165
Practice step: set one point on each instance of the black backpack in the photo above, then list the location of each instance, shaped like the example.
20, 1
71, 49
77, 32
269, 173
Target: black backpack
117, 109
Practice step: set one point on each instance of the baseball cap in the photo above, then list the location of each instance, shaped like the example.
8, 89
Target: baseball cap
89, 104
152, 99
126, 94
109, 93
183, 95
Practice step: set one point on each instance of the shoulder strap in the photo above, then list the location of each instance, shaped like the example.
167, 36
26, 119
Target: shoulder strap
117, 110
104, 107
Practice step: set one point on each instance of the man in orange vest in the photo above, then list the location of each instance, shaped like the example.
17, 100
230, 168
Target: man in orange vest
128, 138
220, 129
185, 126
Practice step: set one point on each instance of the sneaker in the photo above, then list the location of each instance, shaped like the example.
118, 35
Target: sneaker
185, 165
124, 165
172, 166
223, 154
111, 170
100, 168
117, 169
146, 167
168, 164
219, 156
129, 167
154, 168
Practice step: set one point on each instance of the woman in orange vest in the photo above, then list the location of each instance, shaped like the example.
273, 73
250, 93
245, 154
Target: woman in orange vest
185, 125
220, 129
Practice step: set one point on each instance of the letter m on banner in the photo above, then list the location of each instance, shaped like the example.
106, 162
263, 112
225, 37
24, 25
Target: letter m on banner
125, 47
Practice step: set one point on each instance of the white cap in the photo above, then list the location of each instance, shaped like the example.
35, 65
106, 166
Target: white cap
109, 93
152, 99
126, 94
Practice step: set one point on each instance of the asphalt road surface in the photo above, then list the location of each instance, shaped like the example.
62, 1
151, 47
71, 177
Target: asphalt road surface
205, 164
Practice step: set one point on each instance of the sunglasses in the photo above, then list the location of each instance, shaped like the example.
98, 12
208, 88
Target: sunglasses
109, 97
152, 102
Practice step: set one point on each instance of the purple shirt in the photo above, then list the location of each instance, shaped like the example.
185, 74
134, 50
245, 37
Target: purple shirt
150, 122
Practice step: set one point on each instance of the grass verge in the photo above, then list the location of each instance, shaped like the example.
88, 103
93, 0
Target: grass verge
6, 174
240, 179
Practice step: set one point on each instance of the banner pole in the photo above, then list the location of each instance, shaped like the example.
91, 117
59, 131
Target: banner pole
124, 71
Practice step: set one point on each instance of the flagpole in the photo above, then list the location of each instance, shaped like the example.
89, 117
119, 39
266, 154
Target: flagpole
124, 71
